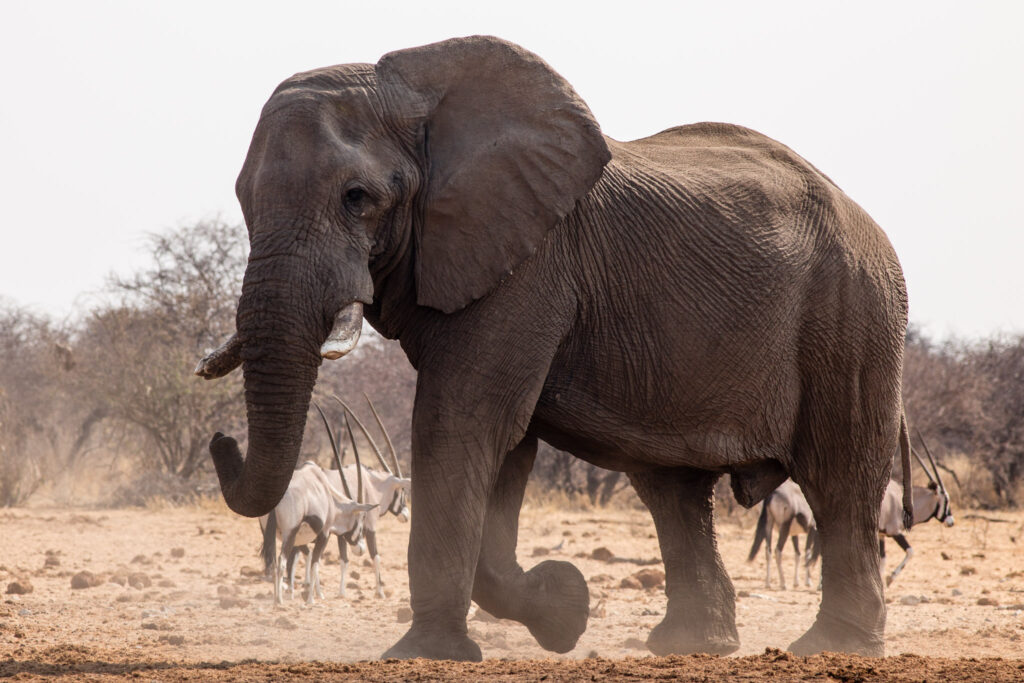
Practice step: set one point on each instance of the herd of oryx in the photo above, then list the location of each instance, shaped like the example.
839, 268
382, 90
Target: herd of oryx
319, 503
786, 505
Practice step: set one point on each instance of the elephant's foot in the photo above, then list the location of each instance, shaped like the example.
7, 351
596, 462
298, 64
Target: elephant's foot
830, 635
419, 642
557, 604
678, 635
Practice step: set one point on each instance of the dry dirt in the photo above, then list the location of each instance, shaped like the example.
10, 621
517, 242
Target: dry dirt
194, 605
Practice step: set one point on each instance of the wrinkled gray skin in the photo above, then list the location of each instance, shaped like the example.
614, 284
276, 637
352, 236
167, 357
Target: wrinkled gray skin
697, 302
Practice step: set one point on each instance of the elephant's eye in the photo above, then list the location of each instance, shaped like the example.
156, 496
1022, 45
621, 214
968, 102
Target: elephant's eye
354, 196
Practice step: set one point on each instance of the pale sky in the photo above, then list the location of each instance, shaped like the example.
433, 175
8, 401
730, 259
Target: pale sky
124, 118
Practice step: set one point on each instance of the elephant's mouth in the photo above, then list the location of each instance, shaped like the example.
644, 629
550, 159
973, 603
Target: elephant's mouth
348, 325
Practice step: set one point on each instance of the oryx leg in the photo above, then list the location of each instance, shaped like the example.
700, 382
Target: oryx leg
796, 561
901, 540
371, 546
293, 557
343, 558
783, 537
881, 555
701, 611
770, 525
551, 599
287, 555
313, 568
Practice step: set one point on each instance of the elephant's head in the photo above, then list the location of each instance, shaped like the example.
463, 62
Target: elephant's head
452, 160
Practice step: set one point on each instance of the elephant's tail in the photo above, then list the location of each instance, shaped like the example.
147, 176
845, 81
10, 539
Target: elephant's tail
759, 533
268, 550
908, 488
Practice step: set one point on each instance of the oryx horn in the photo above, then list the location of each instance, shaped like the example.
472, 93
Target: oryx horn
362, 427
935, 469
359, 466
923, 466
387, 437
334, 447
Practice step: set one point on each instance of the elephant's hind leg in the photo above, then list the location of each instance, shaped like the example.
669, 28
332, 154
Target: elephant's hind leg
844, 495
551, 599
701, 613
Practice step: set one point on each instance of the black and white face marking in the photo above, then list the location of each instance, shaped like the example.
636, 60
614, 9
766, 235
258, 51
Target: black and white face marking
943, 513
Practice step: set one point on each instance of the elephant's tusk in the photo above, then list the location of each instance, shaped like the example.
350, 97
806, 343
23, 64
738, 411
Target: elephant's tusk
348, 325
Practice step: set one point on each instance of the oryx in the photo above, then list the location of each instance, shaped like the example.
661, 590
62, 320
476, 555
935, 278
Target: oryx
387, 488
311, 510
930, 501
781, 508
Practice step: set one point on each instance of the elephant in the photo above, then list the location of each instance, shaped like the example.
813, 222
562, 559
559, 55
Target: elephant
698, 302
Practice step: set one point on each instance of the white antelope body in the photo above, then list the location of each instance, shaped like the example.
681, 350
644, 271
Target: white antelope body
780, 509
312, 501
930, 502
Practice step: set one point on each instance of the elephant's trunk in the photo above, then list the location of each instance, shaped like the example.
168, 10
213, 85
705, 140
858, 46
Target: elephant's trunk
282, 327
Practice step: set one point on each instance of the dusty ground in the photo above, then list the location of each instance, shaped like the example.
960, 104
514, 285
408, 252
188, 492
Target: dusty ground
198, 602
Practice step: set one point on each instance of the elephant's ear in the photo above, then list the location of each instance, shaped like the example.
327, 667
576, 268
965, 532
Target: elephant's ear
509, 148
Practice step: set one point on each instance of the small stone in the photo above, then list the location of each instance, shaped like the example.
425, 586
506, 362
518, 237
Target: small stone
602, 554
988, 602
120, 579
742, 594
84, 579
228, 602
140, 559
172, 639
178, 552
650, 578
910, 600
404, 615
957, 592
167, 583
630, 582
19, 587
634, 644
51, 561
139, 580
944, 556
285, 623
541, 551
354, 574
968, 571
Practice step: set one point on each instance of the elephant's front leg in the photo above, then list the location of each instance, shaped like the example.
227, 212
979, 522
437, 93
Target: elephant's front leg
452, 477
550, 599
701, 613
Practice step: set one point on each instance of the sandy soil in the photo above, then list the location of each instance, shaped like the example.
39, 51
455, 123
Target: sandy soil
179, 590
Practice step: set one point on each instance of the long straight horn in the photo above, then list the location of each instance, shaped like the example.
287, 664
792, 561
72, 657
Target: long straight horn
334, 447
923, 466
387, 437
935, 469
362, 427
359, 465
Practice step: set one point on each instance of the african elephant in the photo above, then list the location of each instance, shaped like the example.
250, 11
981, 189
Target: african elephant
696, 302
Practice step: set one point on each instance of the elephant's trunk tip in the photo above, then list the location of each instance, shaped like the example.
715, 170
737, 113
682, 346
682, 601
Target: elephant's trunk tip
227, 460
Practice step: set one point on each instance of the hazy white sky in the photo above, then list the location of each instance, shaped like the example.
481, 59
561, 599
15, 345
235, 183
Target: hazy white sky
124, 118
